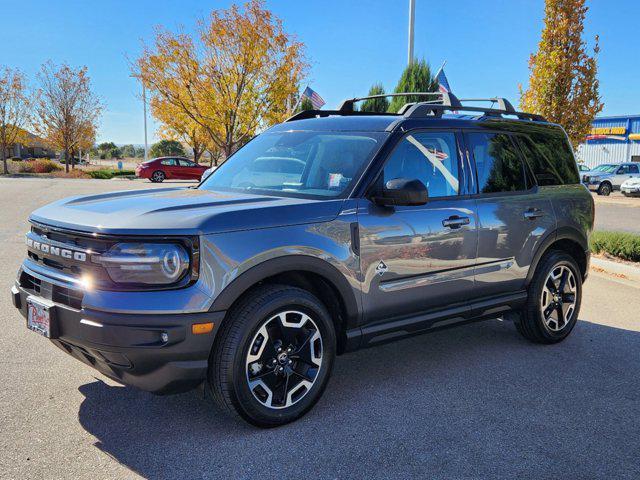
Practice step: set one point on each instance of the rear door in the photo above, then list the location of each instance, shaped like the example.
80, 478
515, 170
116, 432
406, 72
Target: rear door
514, 213
419, 258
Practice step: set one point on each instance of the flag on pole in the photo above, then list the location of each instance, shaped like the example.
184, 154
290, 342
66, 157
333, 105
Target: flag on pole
316, 100
443, 83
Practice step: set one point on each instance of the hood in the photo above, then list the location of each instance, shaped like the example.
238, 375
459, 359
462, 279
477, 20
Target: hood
632, 181
181, 211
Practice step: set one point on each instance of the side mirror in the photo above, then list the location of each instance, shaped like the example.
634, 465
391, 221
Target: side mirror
402, 192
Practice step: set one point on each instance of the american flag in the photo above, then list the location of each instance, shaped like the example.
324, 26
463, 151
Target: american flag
316, 100
443, 83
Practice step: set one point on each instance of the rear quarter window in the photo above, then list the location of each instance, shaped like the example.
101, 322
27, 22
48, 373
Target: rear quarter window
550, 157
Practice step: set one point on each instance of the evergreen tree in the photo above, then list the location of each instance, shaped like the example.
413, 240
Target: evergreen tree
417, 77
375, 104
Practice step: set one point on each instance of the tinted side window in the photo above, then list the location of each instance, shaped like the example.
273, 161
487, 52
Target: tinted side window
498, 163
633, 168
429, 157
168, 161
554, 154
186, 163
545, 171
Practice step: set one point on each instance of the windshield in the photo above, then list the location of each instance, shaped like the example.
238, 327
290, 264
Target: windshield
314, 164
605, 168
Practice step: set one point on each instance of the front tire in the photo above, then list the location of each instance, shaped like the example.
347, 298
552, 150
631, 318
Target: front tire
605, 189
273, 356
553, 302
158, 176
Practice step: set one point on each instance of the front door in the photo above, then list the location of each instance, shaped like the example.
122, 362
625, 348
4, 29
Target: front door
625, 172
419, 258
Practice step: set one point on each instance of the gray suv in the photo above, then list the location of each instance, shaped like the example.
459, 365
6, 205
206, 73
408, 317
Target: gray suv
390, 225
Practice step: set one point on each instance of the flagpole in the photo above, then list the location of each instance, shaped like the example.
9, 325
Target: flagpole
412, 16
299, 100
440, 69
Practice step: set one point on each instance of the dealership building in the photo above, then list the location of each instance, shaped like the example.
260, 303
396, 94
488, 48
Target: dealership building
611, 140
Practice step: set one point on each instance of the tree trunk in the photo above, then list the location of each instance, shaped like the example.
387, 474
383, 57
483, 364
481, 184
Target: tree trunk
4, 160
66, 160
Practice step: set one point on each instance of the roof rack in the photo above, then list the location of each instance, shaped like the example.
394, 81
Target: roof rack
445, 102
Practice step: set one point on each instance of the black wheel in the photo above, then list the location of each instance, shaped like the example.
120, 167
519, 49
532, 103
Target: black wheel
553, 303
273, 356
158, 176
605, 189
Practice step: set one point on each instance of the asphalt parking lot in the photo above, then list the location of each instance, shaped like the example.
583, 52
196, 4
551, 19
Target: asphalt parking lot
472, 402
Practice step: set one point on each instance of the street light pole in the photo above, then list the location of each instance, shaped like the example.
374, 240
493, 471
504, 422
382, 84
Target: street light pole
144, 103
412, 15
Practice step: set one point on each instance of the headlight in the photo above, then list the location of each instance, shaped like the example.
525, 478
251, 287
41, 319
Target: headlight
145, 263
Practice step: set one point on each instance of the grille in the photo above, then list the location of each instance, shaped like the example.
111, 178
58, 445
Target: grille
72, 243
58, 294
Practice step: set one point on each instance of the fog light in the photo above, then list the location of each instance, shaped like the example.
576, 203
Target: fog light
164, 336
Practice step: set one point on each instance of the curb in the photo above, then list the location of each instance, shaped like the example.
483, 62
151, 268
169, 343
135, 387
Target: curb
621, 270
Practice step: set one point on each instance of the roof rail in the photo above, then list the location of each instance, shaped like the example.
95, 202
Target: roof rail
503, 103
442, 102
444, 98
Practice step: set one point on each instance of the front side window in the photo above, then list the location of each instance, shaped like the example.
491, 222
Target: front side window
498, 164
431, 157
313, 164
169, 162
627, 169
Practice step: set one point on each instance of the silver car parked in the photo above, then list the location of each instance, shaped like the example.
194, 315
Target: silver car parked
609, 177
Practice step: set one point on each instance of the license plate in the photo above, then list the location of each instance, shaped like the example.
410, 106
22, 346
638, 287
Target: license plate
39, 317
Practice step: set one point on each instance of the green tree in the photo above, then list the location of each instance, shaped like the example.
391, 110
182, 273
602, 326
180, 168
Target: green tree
165, 148
105, 148
563, 83
417, 77
305, 104
139, 152
375, 104
128, 151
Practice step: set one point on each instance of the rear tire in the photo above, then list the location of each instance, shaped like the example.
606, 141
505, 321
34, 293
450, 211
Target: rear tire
158, 176
554, 298
605, 189
273, 356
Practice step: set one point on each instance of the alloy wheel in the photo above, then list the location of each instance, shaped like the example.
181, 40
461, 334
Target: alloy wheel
158, 176
558, 298
284, 359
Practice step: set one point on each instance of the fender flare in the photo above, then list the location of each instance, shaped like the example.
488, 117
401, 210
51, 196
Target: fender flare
284, 264
562, 233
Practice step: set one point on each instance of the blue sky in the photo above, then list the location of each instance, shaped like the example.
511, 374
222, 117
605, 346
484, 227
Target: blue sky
350, 45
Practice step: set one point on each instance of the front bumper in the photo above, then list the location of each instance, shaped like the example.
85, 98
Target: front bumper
128, 347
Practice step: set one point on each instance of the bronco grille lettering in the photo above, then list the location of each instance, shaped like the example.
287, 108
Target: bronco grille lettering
56, 251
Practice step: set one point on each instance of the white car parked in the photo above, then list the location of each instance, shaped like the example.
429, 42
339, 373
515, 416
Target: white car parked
631, 187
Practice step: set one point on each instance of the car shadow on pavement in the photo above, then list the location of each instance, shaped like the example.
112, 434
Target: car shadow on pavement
476, 402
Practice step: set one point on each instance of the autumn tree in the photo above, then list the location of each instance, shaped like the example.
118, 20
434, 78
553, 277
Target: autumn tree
563, 83
416, 77
67, 111
14, 111
175, 125
375, 104
233, 78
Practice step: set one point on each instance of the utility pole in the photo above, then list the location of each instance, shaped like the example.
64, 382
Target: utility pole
144, 103
412, 16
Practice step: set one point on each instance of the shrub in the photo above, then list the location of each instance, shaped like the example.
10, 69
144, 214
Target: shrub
101, 174
40, 166
618, 244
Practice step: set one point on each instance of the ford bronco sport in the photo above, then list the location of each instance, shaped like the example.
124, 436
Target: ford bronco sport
368, 228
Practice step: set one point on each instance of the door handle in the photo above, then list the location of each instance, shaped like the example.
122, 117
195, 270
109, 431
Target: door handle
455, 221
533, 213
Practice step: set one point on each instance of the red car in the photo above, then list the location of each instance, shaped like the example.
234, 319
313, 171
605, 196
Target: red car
161, 168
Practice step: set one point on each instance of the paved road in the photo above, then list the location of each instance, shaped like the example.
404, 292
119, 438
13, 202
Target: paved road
472, 402
617, 213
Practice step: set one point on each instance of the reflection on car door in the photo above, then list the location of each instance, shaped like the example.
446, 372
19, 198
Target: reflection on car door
190, 170
514, 215
419, 258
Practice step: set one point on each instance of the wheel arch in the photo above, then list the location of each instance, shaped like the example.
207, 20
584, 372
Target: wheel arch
567, 239
309, 273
